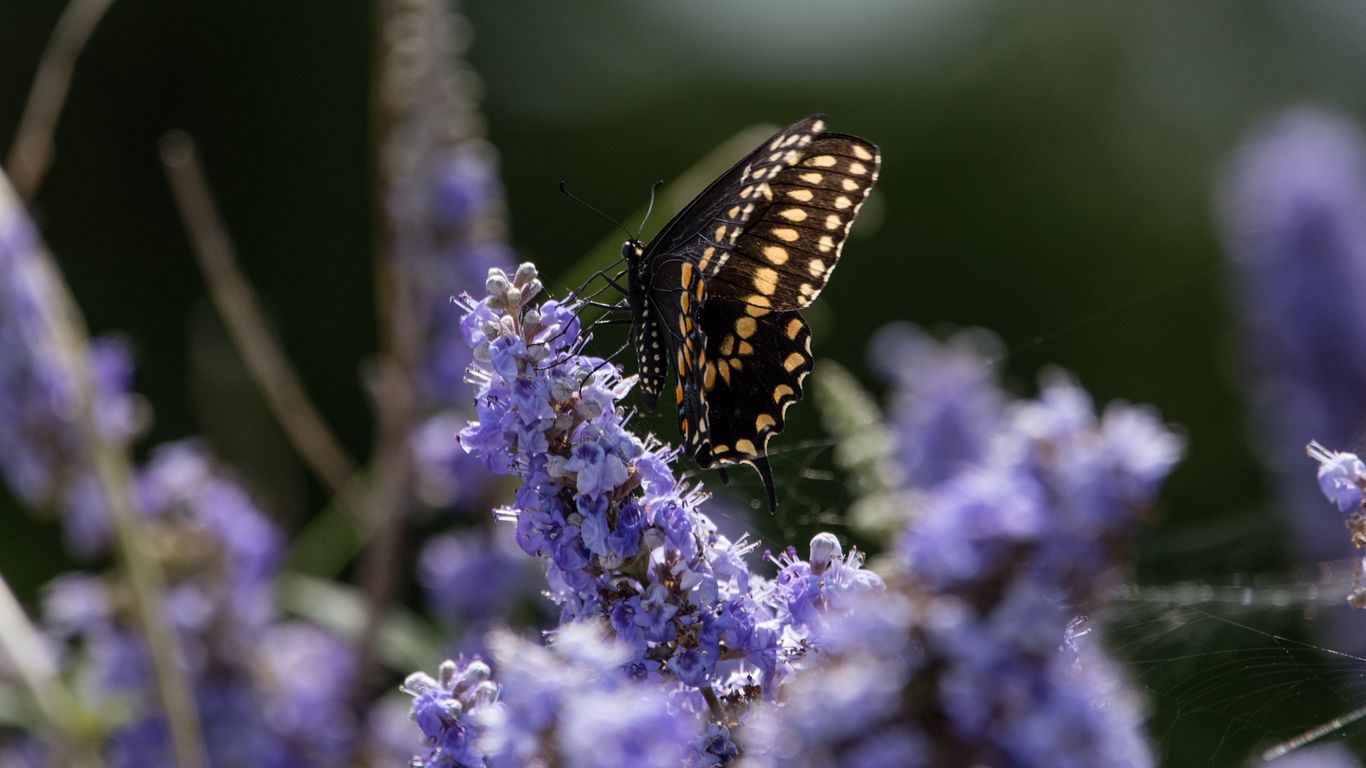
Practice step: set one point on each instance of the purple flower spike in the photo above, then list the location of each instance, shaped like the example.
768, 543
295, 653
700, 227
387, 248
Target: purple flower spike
1293, 210
42, 455
625, 543
971, 654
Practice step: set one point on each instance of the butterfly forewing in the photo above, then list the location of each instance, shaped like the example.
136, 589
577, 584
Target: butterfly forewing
718, 289
787, 248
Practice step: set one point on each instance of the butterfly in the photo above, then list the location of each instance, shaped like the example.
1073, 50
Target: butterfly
717, 293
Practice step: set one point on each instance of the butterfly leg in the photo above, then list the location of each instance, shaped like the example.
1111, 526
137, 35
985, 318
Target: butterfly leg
606, 361
619, 307
610, 279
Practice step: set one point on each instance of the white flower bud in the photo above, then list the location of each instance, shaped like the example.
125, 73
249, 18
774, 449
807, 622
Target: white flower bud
497, 284
824, 548
446, 673
514, 297
526, 272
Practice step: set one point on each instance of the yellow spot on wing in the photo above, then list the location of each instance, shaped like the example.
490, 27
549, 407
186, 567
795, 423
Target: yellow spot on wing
794, 214
794, 361
802, 195
794, 327
775, 254
746, 447
763, 421
861, 153
780, 392
812, 177
745, 327
786, 234
821, 161
765, 281
857, 168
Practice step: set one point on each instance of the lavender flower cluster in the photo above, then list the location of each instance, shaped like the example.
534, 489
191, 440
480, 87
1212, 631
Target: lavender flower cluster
41, 451
270, 690
975, 655
624, 542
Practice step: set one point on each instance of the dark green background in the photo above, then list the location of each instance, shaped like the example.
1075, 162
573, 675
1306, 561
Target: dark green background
1048, 174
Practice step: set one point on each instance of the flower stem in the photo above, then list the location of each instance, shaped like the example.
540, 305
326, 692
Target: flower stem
29, 657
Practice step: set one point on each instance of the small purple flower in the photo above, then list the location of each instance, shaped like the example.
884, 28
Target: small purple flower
1341, 476
443, 708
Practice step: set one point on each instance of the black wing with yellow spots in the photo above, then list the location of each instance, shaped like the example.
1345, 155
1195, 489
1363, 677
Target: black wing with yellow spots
716, 294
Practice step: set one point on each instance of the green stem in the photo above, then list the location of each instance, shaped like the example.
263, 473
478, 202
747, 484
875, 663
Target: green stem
28, 655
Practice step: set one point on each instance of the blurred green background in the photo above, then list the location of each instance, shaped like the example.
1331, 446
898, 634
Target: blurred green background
1048, 175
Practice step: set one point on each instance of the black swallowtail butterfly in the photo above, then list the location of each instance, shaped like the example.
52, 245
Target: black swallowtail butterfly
717, 292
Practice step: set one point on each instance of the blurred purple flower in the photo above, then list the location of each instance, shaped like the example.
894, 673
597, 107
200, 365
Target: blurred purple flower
475, 580
979, 620
41, 448
1293, 214
572, 705
945, 404
269, 692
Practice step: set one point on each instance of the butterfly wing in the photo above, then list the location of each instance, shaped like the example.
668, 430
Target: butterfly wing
725, 277
752, 372
786, 247
701, 235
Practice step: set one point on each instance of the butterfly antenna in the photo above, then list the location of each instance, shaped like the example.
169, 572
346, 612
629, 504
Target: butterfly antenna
649, 208
581, 201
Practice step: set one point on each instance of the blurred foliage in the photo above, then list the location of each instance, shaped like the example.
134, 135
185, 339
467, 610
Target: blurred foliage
1047, 175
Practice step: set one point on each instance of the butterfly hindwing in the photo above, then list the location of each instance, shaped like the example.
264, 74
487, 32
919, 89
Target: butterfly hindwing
752, 372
